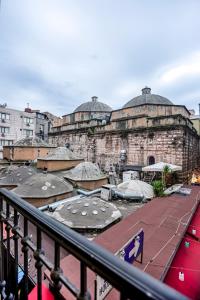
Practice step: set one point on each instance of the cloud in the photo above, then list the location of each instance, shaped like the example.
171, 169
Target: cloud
57, 54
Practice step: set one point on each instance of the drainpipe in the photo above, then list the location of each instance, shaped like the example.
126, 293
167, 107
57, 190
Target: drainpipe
128, 196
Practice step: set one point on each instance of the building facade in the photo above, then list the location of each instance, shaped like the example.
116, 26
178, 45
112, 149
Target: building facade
16, 125
149, 128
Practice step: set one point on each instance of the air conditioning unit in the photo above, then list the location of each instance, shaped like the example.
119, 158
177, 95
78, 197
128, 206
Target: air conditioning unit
3, 121
3, 135
27, 124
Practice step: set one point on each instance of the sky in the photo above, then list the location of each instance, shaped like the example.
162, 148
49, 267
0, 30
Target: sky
56, 55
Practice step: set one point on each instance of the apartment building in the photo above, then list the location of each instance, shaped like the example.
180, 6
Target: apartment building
16, 125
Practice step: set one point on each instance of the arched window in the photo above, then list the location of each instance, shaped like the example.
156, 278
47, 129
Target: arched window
151, 160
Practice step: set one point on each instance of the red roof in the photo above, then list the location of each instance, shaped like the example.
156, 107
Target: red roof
187, 261
164, 221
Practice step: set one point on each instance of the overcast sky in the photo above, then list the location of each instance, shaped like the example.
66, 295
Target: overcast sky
56, 54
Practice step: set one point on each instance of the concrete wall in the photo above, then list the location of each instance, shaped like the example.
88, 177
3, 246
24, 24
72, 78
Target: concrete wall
24, 153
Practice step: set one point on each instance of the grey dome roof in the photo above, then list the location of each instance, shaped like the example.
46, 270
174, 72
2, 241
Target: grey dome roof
90, 213
93, 105
60, 153
17, 176
85, 171
43, 186
147, 98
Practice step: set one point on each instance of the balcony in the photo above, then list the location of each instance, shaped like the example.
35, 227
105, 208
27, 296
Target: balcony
18, 241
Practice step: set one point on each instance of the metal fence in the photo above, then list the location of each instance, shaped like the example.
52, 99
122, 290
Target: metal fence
128, 280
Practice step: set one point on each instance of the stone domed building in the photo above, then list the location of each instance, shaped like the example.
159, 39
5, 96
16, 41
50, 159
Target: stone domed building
86, 175
147, 129
90, 110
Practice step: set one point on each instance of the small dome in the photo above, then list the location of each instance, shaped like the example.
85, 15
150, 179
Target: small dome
31, 142
147, 98
60, 153
90, 213
43, 186
93, 106
85, 171
17, 175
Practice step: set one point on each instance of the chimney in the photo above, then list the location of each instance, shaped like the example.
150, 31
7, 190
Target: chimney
28, 109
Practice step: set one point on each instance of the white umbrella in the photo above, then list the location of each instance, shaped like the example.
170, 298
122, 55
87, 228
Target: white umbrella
159, 167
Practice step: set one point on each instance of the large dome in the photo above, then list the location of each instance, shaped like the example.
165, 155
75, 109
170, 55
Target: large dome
147, 98
94, 106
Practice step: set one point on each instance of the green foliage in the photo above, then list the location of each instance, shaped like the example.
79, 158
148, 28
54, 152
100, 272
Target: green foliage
158, 188
166, 171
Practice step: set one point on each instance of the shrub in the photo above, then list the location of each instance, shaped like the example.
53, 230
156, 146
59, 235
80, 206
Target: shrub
158, 188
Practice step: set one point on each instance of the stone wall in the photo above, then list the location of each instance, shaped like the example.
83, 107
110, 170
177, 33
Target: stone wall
173, 144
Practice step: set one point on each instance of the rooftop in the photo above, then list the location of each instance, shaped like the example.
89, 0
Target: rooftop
14, 175
164, 221
43, 186
91, 213
84, 171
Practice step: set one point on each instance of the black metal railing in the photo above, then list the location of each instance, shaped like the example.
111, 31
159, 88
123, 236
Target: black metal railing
128, 280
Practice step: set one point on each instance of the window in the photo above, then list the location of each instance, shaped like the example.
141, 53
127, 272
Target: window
28, 132
41, 128
40, 116
151, 160
4, 129
6, 142
28, 120
4, 116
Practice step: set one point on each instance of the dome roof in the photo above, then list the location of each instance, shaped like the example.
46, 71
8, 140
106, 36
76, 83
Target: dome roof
94, 106
147, 98
85, 171
43, 186
60, 153
17, 176
90, 213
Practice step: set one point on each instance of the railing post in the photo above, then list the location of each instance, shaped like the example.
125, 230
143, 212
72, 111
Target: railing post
15, 238
55, 273
84, 294
39, 264
1, 237
8, 265
25, 249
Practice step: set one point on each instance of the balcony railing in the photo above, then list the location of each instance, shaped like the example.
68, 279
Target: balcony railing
127, 279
